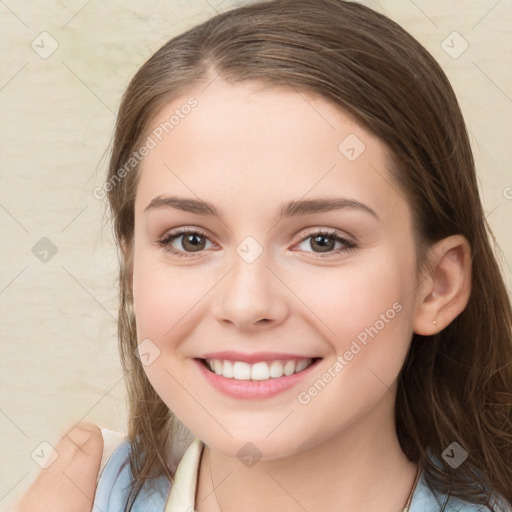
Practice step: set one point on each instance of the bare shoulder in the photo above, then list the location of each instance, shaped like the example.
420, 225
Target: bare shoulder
69, 484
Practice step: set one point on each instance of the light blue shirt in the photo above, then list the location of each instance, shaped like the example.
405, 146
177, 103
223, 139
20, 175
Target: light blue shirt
113, 487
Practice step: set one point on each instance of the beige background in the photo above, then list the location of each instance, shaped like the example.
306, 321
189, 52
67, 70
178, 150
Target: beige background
59, 361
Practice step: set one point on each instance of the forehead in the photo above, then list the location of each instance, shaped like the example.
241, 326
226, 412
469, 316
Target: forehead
255, 146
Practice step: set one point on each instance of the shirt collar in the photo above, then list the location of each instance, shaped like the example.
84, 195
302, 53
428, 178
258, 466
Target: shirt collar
183, 490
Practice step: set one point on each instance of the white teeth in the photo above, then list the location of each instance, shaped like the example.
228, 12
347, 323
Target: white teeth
260, 371
276, 369
228, 369
289, 367
240, 370
217, 366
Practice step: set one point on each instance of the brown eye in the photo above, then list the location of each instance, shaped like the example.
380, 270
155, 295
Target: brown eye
193, 242
184, 243
326, 243
322, 242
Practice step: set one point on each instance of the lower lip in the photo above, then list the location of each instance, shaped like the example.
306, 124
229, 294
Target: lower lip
253, 388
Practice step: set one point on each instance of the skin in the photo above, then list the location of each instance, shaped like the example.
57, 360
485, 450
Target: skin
247, 150
68, 485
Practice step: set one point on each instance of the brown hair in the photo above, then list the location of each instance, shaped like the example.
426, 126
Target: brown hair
455, 385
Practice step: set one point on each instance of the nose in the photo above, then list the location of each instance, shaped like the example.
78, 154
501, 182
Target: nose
250, 296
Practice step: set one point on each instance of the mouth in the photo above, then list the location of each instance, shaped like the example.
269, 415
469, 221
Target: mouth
257, 371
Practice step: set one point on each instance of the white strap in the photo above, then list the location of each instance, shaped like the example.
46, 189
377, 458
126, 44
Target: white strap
111, 440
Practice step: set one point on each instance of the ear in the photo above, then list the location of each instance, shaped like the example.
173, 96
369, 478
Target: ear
445, 291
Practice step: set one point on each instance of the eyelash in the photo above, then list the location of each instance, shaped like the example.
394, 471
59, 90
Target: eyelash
167, 239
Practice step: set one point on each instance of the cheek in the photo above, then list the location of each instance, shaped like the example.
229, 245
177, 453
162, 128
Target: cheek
164, 300
366, 314
349, 301
370, 314
164, 296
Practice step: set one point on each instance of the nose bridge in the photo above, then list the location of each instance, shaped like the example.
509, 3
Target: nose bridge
250, 291
250, 276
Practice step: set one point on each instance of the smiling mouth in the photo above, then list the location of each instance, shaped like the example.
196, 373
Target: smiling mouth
263, 370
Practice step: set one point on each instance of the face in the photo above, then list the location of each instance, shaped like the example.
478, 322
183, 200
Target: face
268, 229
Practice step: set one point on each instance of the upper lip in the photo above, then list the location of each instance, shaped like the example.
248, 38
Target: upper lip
253, 357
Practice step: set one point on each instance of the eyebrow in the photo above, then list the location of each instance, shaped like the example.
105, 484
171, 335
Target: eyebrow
290, 209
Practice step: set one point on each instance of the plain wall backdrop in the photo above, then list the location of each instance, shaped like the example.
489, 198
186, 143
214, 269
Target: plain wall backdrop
64, 67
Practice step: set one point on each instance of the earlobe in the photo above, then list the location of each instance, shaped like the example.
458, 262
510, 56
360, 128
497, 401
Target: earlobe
444, 294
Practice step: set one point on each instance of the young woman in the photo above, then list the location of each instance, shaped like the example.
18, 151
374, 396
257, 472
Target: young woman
307, 283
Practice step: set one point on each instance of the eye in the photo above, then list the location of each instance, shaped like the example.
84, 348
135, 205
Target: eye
324, 243
187, 242
191, 241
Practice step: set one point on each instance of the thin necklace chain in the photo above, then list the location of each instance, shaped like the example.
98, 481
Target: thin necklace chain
406, 507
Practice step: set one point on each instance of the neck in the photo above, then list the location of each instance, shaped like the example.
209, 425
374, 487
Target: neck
360, 468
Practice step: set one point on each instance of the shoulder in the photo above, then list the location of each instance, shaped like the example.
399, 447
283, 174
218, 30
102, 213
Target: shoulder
115, 479
424, 500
